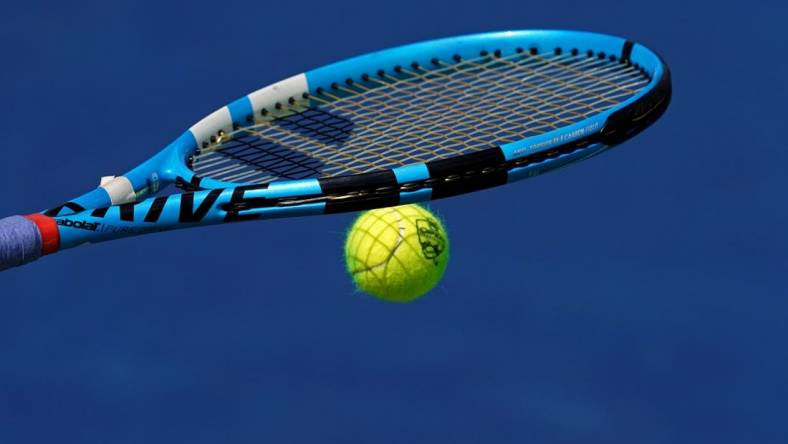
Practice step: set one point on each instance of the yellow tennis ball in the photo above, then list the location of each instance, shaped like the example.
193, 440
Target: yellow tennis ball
397, 254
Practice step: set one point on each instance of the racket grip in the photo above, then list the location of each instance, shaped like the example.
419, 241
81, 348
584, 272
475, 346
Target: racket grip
20, 241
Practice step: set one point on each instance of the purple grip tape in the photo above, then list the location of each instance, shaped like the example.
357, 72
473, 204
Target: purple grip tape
20, 242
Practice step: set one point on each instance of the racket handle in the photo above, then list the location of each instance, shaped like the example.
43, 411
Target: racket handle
22, 241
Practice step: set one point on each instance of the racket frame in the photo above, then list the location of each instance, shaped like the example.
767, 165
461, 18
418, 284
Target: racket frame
119, 207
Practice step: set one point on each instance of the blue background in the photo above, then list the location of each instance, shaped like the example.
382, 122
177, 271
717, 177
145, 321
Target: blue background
636, 297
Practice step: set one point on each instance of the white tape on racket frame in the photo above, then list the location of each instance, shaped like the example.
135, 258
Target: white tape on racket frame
119, 189
279, 92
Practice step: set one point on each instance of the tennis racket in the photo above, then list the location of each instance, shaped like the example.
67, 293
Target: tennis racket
409, 124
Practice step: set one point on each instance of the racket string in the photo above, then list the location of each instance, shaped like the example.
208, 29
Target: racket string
467, 139
420, 114
468, 115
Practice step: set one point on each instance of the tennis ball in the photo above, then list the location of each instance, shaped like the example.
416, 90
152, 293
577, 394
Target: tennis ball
397, 254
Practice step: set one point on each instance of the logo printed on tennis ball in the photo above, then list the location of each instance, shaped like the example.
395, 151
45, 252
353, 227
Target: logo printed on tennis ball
431, 239
397, 254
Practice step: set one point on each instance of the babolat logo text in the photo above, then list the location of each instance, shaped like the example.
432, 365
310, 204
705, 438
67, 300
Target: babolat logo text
78, 224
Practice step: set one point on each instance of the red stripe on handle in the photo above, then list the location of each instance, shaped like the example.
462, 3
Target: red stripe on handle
50, 235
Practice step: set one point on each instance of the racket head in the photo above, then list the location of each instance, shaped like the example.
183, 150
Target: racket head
330, 130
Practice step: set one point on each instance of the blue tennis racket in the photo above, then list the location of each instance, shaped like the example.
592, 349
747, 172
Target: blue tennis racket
409, 124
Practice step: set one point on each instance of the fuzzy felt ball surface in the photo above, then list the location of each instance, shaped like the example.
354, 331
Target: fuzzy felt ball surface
397, 254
